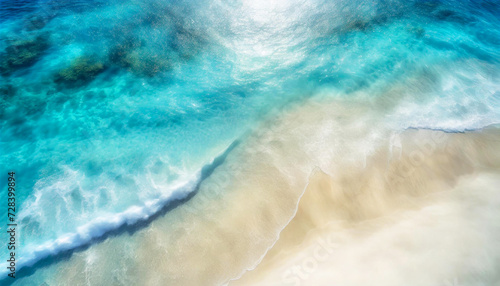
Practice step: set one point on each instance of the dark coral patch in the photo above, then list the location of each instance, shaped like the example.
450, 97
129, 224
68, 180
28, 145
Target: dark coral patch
23, 53
81, 71
138, 61
37, 22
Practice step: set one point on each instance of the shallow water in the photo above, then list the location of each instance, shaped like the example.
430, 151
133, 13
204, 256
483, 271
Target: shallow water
109, 110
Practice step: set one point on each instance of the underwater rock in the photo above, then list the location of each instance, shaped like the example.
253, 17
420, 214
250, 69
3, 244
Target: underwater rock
138, 61
147, 65
119, 53
23, 53
81, 71
37, 22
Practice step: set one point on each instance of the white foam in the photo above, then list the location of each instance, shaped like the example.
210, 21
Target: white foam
99, 226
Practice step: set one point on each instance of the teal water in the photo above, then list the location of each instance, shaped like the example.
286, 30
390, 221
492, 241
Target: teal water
109, 109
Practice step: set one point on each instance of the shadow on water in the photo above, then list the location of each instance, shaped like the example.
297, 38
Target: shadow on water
206, 172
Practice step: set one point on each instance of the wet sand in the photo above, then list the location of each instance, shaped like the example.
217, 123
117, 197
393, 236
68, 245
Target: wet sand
423, 214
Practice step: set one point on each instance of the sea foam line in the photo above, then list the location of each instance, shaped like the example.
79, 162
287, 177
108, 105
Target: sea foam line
101, 226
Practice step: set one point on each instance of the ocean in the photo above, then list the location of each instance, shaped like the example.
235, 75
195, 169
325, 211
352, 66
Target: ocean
138, 129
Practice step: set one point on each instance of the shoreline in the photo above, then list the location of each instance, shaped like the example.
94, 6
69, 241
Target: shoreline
247, 213
295, 258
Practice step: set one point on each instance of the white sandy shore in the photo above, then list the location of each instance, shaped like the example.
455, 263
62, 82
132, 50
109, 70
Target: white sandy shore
427, 216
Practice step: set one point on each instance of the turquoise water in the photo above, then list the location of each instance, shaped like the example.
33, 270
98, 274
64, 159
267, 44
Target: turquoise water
110, 109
